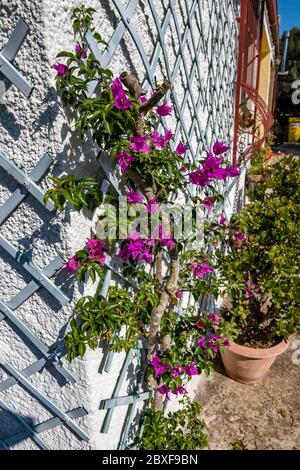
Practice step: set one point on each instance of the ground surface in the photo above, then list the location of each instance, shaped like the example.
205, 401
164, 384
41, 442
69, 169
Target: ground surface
265, 416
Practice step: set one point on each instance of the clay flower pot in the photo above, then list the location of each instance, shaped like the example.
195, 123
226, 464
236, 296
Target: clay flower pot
255, 178
249, 365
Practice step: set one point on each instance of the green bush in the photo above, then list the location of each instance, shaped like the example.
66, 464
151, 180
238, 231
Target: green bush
178, 430
269, 260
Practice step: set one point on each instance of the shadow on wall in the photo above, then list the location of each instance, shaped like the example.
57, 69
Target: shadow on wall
47, 118
11, 425
9, 123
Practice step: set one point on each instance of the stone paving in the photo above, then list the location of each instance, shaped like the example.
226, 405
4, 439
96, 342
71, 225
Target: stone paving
265, 416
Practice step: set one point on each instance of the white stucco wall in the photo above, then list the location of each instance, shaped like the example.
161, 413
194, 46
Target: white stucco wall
28, 128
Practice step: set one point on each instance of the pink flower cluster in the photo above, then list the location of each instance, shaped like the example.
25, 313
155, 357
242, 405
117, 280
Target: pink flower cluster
124, 159
165, 390
166, 239
137, 249
210, 340
133, 197
81, 50
213, 320
164, 109
152, 206
208, 203
181, 149
239, 238
211, 168
121, 100
61, 69
139, 144
159, 140
160, 367
95, 252
250, 289
222, 220
199, 270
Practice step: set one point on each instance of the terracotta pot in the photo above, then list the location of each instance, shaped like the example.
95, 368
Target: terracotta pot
255, 178
249, 365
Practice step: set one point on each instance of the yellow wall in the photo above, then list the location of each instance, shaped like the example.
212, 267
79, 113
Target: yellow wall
265, 85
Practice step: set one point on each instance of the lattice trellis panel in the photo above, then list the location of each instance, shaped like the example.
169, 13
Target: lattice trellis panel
46, 357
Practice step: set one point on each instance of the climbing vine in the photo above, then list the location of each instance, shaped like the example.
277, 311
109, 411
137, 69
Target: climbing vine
124, 119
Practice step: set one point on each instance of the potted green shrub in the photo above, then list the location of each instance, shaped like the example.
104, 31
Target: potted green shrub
259, 271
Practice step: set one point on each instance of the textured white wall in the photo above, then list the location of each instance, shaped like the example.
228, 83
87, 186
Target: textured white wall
30, 127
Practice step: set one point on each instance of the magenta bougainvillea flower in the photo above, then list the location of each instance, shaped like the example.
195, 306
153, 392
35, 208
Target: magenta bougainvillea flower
180, 390
81, 50
199, 270
95, 248
200, 324
232, 171
191, 370
165, 238
199, 178
214, 318
73, 264
178, 294
137, 249
164, 390
123, 103
222, 220
121, 100
159, 140
94, 251
181, 149
212, 170
164, 109
177, 371
219, 148
124, 159
169, 135
133, 197
201, 342
152, 206
143, 99
251, 289
159, 366
61, 69
117, 88
208, 203
139, 144
239, 238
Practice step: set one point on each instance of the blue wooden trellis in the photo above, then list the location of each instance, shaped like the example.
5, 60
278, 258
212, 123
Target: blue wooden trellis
50, 358
214, 93
8, 72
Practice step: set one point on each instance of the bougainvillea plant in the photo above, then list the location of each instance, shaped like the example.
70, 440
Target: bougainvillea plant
124, 120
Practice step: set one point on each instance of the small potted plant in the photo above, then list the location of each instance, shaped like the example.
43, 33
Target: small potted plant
259, 271
246, 119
